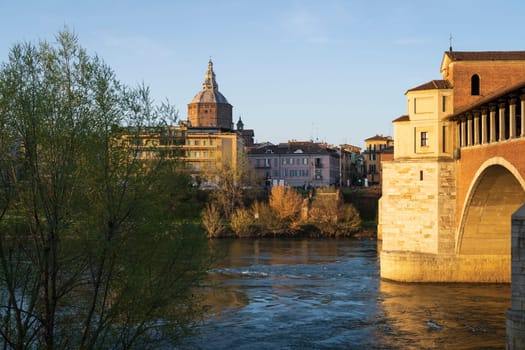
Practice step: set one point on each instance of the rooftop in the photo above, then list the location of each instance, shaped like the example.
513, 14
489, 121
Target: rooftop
485, 55
294, 148
433, 85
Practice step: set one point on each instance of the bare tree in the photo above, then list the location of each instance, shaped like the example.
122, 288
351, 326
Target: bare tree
232, 183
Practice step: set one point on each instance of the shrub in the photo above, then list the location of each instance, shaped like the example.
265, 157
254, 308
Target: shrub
211, 219
266, 220
332, 216
286, 203
242, 223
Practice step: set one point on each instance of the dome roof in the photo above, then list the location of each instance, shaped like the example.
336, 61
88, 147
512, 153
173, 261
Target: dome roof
210, 89
209, 97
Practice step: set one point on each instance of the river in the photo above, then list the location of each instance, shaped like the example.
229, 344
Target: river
327, 294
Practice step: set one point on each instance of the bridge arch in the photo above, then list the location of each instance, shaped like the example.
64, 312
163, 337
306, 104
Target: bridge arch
495, 193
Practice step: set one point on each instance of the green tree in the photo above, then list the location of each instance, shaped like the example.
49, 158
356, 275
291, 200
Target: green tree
90, 256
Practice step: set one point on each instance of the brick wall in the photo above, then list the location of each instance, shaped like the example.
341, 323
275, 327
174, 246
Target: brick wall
493, 75
472, 158
214, 115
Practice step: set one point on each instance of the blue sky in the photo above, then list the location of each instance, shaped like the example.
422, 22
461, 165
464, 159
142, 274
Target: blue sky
330, 70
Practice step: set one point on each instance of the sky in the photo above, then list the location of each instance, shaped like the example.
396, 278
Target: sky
332, 71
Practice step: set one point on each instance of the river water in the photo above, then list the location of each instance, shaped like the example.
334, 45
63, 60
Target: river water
327, 294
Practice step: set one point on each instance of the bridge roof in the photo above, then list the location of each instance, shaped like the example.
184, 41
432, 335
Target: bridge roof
494, 97
485, 55
433, 85
402, 118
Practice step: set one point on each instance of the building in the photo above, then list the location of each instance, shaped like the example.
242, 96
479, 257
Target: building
206, 141
296, 164
418, 212
351, 173
375, 146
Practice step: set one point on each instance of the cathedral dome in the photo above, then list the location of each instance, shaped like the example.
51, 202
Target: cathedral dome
209, 108
209, 96
210, 89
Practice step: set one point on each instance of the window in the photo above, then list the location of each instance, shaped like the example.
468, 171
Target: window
474, 85
305, 161
424, 139
444, 140
444, 103
275, 162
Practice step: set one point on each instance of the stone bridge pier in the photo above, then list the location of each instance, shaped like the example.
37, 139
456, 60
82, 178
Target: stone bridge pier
516, 313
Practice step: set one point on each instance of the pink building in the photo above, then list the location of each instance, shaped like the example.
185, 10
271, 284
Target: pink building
297, 164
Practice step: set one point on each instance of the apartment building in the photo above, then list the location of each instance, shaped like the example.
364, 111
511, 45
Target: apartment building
296, 164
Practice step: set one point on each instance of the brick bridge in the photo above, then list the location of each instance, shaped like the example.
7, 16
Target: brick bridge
452, 206
459, 227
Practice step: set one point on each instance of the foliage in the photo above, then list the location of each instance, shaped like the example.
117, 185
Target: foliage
212, 220
286, 203
266, 220
331, 216
231, 180
89, 254
242, 223
287, 213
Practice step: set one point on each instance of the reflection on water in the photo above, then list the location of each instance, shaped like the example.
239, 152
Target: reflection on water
327, 294
452, 316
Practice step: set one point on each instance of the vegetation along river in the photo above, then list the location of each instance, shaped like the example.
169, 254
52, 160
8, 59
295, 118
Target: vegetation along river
327, 294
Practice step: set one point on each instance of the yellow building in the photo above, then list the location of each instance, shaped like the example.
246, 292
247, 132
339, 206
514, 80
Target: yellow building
209, 149
375, 146
206, 141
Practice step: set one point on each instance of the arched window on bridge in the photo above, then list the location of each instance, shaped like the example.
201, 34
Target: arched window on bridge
474, 85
